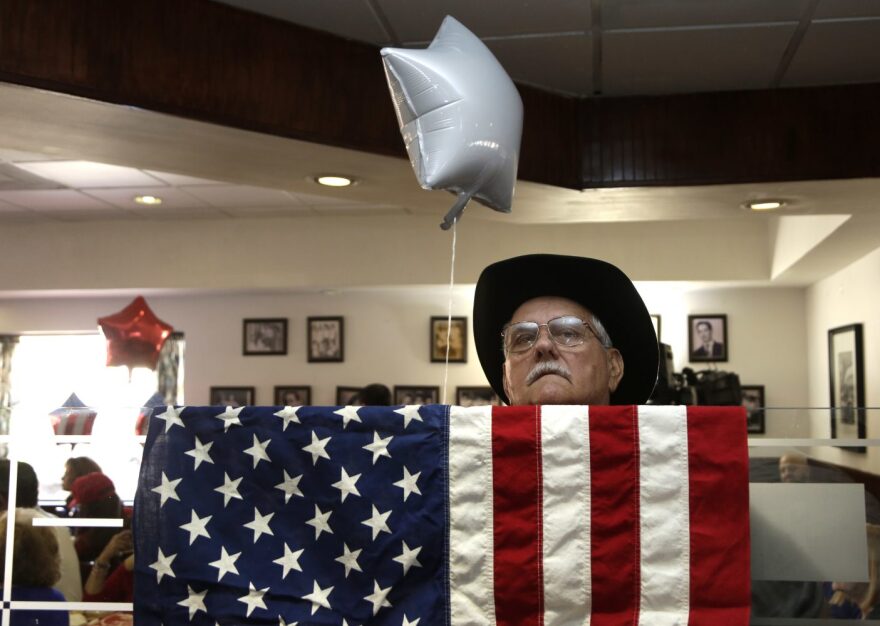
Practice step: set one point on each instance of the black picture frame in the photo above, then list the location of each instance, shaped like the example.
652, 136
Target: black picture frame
655, 319
264, 337
292, 395
752, 400
458, 339
416, 394
232, 396
476, 396
345, 395
846, 381
717, 332
326, 339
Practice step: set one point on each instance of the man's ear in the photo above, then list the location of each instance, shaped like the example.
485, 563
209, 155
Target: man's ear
615, 368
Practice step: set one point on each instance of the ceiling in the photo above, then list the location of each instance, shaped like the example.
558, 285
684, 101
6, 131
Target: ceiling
70, 167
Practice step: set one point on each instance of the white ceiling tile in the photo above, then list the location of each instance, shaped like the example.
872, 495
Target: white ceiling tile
351, 19
88, 174
53, 200
317, 200
363, 210
697, 60
89, 216
669, 13
272, 211
561, 63
822, 60
847, 8
487, 18
241, 196
124, 197
166, 213
181, 179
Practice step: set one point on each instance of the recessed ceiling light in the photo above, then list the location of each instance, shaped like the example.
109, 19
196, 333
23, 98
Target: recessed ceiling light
152, 200
765, 205
334, 181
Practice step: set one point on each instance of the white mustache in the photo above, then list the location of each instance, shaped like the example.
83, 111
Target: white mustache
548, 367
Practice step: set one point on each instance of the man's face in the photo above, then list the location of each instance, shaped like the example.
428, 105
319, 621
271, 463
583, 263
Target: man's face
793, 469
704, 332
590, 373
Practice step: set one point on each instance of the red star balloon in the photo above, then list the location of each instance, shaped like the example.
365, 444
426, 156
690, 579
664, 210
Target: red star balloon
134, 335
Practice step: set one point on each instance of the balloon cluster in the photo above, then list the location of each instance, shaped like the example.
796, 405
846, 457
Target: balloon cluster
134, 335
460, 116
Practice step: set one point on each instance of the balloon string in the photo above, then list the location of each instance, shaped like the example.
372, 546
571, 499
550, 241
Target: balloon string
449, 310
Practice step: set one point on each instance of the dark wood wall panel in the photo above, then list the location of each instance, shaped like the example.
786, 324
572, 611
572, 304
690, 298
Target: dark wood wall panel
211, 62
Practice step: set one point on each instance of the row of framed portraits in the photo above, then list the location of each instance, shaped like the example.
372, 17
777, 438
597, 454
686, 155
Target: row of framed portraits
301, 395
325, 338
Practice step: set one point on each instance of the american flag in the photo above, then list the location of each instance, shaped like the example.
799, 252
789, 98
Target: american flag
438, 515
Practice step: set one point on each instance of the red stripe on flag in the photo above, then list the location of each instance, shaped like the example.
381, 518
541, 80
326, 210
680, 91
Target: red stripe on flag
614, 459
516, 478
719, 516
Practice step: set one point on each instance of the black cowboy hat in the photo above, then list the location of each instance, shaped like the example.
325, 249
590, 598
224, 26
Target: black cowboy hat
599, 286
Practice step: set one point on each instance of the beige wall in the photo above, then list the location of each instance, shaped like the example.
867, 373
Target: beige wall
387, 340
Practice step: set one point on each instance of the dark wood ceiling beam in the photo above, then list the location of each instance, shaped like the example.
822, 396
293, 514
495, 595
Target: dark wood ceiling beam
215, 63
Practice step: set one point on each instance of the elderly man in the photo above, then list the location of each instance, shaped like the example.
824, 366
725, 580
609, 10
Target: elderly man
554, 329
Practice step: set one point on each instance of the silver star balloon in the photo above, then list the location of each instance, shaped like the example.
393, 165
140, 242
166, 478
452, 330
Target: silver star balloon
460, 116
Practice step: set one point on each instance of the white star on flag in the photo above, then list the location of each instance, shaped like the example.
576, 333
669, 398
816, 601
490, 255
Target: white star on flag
163, 565
288, 415
196, 526
229, 489
410, 412
225, 564
171, 417
200, 452
349, 414
289, 560
378, 522
379, 597
406, 621
195, 601
318, 597
320, 522
260, 525
258, 450
316, 448
408, 483
281, 622
168, 489
229, 417
254, 599
349, 559
290, 486
346, 484
379, 447
408, 558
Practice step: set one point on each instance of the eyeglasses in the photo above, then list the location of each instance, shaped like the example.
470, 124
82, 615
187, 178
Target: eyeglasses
568, 331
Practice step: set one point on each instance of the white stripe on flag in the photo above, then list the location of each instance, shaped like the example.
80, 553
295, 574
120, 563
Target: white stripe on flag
471, 522
565, 450
664, 516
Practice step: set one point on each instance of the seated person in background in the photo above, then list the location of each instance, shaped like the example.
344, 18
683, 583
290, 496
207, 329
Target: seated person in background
375, 394
93, 495
35, 568
74, 467
26, 492
865, 595
103, 586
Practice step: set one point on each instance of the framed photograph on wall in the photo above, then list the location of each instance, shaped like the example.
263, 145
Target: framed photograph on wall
326, 340
264, 336
753, 401
416, 394
476, 396
457, 339
345, 396
232, 396
707, 338
655, 320
293, 395
846, 377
